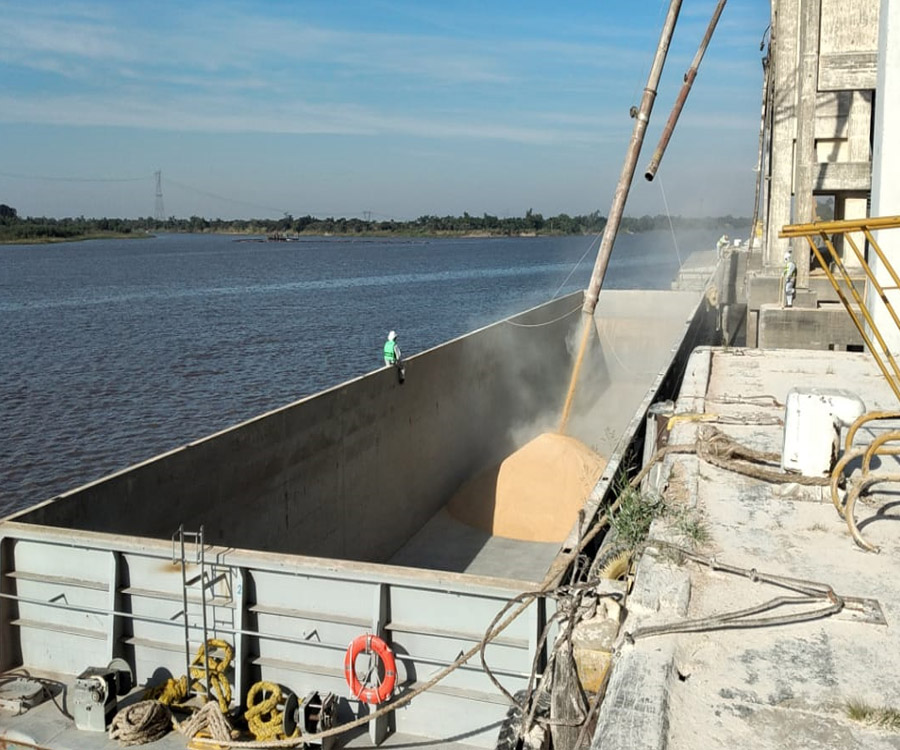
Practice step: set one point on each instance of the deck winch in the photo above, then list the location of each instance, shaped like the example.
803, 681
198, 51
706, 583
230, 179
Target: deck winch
95, 694
312, 714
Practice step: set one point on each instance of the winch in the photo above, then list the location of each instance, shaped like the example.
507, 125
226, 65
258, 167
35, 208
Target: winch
94, 696
312, 714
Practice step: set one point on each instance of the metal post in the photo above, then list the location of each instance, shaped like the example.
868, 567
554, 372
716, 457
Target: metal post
184, 604
631, 157
201, 554
689, 77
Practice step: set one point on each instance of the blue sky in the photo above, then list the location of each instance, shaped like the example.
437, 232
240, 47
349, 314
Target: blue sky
397, 108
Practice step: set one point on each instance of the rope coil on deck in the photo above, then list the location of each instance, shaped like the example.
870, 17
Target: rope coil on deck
175, 691
140, 723
264, 718
722, 451
208, 722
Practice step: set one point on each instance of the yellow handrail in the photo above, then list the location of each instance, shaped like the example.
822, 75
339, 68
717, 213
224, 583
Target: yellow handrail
826, 231
842, 227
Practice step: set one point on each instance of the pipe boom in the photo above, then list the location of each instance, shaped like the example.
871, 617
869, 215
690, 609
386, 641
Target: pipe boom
689, 77
634, 151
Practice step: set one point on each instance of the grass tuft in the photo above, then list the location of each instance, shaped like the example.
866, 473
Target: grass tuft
691, 526
635, 514
884, 718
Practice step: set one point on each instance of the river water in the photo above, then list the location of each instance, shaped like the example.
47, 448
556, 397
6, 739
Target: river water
115, 351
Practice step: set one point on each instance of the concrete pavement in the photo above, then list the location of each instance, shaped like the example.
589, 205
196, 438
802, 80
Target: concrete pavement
781, 686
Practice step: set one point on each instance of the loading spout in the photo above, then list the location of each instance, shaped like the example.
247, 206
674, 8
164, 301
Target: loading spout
642, 117
689, 77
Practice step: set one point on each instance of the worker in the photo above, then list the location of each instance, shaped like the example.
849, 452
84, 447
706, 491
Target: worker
721, 245
392, 356
789, 275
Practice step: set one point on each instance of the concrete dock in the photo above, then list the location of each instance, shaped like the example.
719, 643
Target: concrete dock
785, 685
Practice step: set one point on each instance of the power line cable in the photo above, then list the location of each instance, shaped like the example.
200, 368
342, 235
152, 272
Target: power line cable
46, 178
216, 196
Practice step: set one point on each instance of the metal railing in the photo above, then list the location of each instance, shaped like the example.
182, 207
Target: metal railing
836, 271
825, 230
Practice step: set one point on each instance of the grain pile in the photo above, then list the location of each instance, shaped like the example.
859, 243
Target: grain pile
535, 493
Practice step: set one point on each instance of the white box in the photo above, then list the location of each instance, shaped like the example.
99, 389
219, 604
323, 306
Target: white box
813, 418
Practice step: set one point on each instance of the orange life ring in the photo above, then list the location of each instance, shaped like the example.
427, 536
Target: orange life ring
370, 644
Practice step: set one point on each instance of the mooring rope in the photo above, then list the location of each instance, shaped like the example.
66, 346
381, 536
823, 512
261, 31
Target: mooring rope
140, 723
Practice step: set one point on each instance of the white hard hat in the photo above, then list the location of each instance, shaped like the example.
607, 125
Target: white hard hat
392, 335
787, 254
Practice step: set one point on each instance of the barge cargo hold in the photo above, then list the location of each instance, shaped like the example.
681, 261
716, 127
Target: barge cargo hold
305, 513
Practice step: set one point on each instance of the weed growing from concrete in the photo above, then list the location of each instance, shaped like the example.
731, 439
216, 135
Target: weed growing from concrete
884, 718
690, 525
632, 520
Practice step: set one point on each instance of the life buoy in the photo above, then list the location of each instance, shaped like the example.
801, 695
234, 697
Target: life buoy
370, 644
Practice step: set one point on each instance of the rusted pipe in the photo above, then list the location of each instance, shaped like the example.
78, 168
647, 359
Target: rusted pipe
634, 151
683, 94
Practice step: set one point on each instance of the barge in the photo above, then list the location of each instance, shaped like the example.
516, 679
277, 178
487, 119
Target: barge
290, 535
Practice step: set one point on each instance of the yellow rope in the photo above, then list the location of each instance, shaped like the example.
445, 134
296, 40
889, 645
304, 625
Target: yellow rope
176, 691
617, 568
690, 417
264, 718
172, 692
218, 682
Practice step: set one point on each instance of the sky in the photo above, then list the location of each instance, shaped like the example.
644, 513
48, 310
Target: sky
389, 109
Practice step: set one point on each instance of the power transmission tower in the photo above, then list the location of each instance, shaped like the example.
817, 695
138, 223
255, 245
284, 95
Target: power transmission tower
159, 213
367, 216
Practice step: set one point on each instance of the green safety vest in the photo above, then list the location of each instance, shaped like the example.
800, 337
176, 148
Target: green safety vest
389, 352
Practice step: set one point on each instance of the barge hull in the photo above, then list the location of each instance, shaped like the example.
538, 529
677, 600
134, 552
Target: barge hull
302, 513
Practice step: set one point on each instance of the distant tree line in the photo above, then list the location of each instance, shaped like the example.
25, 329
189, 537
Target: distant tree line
14, 228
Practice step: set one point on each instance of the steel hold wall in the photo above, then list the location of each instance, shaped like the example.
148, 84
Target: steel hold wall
354, 471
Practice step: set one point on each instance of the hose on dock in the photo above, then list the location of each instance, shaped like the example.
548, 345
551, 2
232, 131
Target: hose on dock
811, 593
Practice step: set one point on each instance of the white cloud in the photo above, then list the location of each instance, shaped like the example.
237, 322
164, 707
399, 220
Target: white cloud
223, 115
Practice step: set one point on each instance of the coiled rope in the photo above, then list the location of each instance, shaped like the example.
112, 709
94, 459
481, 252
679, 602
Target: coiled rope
175, 691
264, 718
209, 722
141, 723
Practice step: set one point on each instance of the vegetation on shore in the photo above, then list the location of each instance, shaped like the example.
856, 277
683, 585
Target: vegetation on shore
16, 229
